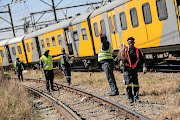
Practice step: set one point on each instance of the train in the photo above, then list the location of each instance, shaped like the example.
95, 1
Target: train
155, 25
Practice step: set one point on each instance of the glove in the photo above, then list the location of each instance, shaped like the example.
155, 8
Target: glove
144, 70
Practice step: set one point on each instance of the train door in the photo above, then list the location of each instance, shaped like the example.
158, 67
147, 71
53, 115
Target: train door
75, 39
113, 29
8, 54
38, 46
69, 41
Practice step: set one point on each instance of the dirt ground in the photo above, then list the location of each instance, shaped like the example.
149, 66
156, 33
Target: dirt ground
159, 92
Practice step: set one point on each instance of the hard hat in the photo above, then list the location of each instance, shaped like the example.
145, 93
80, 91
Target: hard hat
45, 51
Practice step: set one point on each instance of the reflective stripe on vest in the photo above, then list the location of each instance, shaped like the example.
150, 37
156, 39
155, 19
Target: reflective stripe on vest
15, 66
129, 59
105, 54
47, 62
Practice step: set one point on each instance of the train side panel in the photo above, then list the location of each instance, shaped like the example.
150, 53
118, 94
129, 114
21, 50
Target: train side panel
31, 50
53, 42
81, 40
96, 28
170, 31
3, 57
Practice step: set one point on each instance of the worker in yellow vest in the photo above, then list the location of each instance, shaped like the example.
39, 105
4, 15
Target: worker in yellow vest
46, 64
106, 60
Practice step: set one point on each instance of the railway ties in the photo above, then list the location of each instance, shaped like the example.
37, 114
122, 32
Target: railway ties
83, 104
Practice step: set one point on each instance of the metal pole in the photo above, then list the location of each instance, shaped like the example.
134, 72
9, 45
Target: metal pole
11, 20
54, 10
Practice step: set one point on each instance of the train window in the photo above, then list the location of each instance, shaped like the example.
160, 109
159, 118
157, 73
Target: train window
59, 39
53, 41
103, 27
75, 35
84, 34
134, 18
13, 50
146, 13
111, 26
122, 17
2, 54
161, 9
27, 47
32, 46
42, 43
96, 29
115, 24
48, 43
19, 50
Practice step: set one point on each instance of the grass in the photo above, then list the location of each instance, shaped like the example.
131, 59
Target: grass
14, 102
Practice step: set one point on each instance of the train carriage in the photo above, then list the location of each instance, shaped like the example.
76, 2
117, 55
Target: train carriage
81, 36
4, 54
17, 49
51, 38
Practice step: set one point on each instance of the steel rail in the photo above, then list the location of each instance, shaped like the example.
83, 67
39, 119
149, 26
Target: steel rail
64, 110
131, 113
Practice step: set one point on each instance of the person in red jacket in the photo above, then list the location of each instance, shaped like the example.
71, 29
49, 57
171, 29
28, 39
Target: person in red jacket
133, 59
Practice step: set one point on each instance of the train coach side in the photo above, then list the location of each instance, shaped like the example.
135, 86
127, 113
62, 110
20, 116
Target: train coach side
17, 49
4, 61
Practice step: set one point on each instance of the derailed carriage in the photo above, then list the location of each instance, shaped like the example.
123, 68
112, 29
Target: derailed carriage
153, 23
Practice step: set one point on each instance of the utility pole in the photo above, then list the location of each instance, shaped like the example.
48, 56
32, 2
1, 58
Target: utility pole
54, 11
11, 20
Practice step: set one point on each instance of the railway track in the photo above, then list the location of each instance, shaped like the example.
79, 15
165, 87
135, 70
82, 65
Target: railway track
86, 105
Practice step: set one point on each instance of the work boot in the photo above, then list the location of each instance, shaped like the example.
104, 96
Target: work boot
113, 93
48, 91
131, 101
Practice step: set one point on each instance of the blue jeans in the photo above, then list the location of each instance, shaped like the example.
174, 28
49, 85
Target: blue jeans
108, 68
67, 73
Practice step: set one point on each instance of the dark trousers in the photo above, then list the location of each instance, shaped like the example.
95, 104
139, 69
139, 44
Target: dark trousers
67, 73
108, 68
131, 77
49, 75
20, 75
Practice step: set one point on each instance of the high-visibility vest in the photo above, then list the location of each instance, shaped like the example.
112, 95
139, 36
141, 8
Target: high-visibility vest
105, 54
15, 66
47, 62
129, 59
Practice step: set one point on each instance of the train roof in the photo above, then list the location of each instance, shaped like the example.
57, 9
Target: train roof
59, 25
3, 42
80, 18
108, 7
15, 40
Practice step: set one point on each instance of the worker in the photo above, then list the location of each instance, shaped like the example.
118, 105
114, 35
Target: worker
19, 68
133, 59
65, 65
106, 61
46, 64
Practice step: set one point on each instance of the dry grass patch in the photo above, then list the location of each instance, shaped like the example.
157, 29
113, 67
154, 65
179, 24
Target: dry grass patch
14, 101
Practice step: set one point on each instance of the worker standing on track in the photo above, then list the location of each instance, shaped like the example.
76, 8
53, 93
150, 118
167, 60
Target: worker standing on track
46, 64
133, 59
65, 65
106, 60
19, 68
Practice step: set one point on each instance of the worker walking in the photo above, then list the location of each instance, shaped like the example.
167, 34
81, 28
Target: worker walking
133, 59
65, 65
19, 68
46, 64
106, 60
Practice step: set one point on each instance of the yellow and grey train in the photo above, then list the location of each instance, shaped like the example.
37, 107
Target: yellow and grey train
155, 25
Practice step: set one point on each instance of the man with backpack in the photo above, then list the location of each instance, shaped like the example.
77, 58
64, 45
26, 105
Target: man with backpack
65, 65
19, 68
